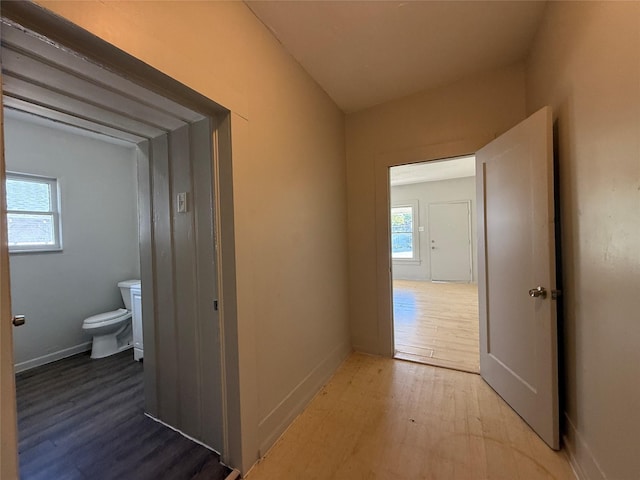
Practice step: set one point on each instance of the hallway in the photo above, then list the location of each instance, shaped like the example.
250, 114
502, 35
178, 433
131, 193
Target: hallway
386, 419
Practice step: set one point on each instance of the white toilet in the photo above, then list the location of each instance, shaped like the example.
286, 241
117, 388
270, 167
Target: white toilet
111, 331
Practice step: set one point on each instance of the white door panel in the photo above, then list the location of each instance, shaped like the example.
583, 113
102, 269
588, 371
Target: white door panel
450, 241
518, 332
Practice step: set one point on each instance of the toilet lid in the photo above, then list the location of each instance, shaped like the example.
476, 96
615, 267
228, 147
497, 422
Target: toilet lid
103, 317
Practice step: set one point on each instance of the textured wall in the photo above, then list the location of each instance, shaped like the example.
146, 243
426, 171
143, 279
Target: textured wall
585, 62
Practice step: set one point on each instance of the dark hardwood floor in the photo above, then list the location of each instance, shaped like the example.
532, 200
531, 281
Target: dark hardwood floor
83, 419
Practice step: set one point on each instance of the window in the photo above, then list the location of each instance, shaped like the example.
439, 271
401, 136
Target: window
404, 241
33, 217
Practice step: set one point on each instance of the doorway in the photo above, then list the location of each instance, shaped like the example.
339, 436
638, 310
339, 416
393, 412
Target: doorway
178, 151
433, 252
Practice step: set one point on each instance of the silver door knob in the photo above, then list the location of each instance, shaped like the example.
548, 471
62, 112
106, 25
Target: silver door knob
18, 320
538, 292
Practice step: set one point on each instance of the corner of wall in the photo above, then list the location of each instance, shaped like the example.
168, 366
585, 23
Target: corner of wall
278, 420
580, 456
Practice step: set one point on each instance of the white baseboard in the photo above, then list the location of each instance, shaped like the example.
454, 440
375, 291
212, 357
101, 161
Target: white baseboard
235, 474
51, 357
272, 426
580, 456
194, 440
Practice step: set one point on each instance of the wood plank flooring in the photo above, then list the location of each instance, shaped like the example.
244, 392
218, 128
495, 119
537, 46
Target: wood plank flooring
437, 323
385, 419
83, 419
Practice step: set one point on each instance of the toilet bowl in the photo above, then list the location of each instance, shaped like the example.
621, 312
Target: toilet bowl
111, 331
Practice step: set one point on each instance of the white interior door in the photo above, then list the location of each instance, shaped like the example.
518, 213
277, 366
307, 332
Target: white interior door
516, 272
450, 241
8, 426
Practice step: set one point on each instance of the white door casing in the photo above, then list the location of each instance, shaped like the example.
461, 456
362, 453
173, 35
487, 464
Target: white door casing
8, 422
450, 241
516, 254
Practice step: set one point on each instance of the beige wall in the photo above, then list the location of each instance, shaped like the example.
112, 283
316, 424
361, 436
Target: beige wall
289, 192
449, 121
586, 64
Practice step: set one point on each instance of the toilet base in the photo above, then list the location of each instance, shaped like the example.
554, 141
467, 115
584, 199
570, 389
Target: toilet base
110, 344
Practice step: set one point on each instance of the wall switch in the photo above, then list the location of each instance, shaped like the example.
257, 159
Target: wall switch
181, 202
421, 229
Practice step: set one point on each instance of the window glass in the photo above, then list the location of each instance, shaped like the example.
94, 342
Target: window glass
27, 195
402, 237
32, 213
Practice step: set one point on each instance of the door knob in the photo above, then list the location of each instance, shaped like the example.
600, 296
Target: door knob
538, 292
18, 320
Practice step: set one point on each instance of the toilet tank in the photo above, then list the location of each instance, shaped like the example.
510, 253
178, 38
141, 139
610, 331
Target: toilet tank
125, 287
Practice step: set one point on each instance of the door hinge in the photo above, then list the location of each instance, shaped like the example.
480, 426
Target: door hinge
215, 305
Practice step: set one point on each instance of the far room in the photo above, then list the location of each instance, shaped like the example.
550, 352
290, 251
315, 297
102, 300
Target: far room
433, 253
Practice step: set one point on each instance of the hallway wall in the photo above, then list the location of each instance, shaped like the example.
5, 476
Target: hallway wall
450, 121
289, 195
585, 62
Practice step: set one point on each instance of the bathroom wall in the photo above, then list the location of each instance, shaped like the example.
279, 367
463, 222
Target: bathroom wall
426, 193
98, 191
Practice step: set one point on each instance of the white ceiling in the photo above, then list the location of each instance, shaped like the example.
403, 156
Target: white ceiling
363, 53
433, 171
45, 121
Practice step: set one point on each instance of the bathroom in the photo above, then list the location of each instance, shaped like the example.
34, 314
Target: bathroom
98, 216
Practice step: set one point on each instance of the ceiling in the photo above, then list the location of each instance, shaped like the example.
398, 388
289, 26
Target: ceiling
363, 53
433, 171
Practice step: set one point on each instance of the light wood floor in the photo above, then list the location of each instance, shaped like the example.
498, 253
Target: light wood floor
437, 323
384, 419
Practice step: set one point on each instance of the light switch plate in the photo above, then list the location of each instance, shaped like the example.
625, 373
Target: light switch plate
181, 202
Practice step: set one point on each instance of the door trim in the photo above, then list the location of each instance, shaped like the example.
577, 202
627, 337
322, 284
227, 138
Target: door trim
8, 407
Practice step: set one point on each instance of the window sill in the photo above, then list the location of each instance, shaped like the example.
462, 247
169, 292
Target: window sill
36, 250
405, 261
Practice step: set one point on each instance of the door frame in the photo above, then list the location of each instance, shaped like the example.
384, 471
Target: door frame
8, 407
383, 162
65, 33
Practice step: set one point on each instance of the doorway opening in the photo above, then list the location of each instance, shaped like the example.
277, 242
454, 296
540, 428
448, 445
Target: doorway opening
177, 140
433, 257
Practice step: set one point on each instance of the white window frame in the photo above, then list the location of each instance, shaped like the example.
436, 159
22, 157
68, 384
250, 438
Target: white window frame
415, 233
54, 203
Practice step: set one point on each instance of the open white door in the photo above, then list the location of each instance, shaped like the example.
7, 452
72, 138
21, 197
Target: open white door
516, 272
8, 426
